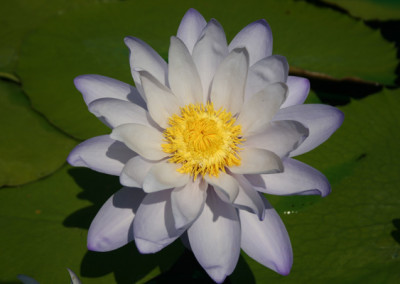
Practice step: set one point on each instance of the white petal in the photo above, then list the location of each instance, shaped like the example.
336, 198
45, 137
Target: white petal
143, 57
258, 111
257, 161
144, 140
267, 241
298, 89
208, 53
190, 28
248, 198
297, 178
183, 76
116, 112
225, 186
188, 202
94, 87
321, 121
268, 70
101, 154
227, 90
215, 238
160, 101
135, 171
280, 137
154, 226
164, 175
112, 226
256, 38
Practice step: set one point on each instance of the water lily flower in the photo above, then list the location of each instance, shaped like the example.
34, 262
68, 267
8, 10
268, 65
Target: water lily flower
197, 142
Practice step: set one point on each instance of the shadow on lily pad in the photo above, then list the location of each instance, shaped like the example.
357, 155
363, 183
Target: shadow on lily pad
396, 233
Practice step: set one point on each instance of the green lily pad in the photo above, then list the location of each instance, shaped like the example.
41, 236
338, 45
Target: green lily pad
45, 228
30, 148
19, 17
383, 10
90, 40
351, 236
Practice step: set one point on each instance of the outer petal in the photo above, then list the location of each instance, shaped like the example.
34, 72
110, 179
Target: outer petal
227, 89
188, 202
160, 101
258, 111
183, 76
248, 198
321, 121
112, 226
267, 241
164, 175
215, 238
297, 178
94, 87
257, 161
256, 38
101, 154
298, 91
268, 70
190, 28
144, 140
143, 57
225, 186
280, 137
208, 53
135, 171
154, 226
116, 112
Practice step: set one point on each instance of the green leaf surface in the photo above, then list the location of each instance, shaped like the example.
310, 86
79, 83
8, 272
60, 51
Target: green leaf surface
353, 235
19, 17
45, 224
30, 148
90, 40
383, 10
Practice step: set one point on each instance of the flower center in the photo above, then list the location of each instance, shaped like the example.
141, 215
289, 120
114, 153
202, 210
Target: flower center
203, 140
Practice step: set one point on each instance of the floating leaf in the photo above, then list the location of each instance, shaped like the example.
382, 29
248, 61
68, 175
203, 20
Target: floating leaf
370, 9
30, 148
90, 40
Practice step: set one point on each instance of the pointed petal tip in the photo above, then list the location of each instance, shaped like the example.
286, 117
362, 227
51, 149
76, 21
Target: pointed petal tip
147, 247
217, 273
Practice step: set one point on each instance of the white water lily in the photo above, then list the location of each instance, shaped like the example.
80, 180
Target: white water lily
198, 141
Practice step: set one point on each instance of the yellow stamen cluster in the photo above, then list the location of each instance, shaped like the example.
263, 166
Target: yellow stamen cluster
203, 140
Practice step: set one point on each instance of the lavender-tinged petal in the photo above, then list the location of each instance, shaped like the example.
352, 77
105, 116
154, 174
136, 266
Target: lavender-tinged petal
258, 111
298, 89
144, 58
164, 175
188, 202
208, 53
297, 178
227, 90
280, 137
154, 226
183, 76
135, 171
94, 87
267, 241
144, 140
117, 112
101, 154
257, 161
321, 121
268, 70
248, 198
161, 103
111, 228
256, 38
215, 238
225, 186
190, 28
